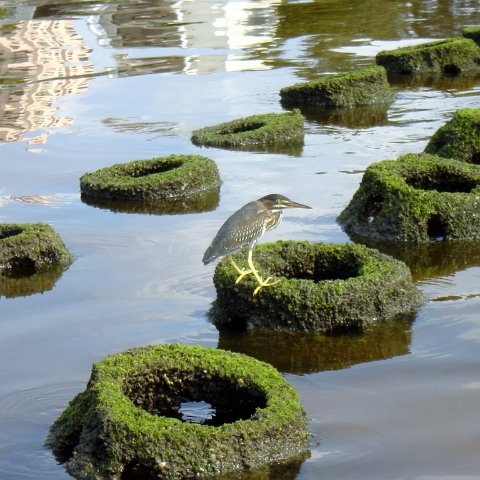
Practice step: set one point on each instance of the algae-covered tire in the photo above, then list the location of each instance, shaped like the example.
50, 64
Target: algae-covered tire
128, 418
459, 138
472, 33
417, 198
154, 179
321, 288
451, 56
268, 129
30, 248
348, 89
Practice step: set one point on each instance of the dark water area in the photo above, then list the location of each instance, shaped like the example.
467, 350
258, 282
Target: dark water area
84, 85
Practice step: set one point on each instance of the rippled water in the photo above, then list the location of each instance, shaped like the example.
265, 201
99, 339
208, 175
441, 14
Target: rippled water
88, 84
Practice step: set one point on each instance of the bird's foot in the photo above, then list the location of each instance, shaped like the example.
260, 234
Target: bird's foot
242, 272
263, 283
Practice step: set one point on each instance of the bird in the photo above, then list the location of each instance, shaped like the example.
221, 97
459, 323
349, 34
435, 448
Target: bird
243, 228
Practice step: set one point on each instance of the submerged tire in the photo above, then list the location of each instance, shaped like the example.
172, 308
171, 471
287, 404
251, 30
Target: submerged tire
322, 287
417, 198
155, 179
128, 417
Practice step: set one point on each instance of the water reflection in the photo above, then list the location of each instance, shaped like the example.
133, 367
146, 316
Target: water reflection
198, 203
302, 353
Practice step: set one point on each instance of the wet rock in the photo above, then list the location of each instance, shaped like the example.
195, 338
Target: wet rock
270, 129
128, 419
160, 178
27, 249
472, 33
417, 198
459, 138
322, 288
451, 56
361, 87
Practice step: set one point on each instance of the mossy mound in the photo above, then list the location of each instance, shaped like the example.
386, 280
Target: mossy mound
129, 419
154, 179
323, 287
449, 57
361, 87
473, 33
417, 198
269, 129
459, 138
30, 248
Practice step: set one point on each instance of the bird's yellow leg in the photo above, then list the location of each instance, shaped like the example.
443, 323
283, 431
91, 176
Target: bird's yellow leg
261, 283
241, 271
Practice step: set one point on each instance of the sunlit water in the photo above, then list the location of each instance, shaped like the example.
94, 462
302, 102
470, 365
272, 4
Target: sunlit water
110, 82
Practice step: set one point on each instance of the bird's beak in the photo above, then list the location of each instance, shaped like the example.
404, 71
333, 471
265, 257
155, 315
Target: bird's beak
291, 204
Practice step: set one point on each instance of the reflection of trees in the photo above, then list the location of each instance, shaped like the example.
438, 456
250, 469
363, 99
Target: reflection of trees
48, 57
301, 353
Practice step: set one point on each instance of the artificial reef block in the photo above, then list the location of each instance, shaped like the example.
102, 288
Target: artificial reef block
322, 287
268, 129
417, 198
451, 56
348, 89
154, 179
459, 138
129, 417
472, 33
30, 248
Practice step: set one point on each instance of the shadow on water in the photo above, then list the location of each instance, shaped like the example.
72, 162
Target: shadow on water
202, 202
434, 259
302, 353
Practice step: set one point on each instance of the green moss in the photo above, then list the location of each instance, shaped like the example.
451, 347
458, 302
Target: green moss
459, 138
126, 417
27, 249
275, 129
322, 287
451, 57
155, 179
417, 198
5, 12
473, 33
348, 89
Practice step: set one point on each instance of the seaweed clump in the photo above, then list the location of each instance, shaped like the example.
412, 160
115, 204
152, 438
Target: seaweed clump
459, 138
451, 57
268, 129
417, 198
155, 179
322, 288
348, 89
128, 419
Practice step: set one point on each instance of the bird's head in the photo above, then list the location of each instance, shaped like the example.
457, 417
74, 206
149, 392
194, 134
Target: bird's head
277, 202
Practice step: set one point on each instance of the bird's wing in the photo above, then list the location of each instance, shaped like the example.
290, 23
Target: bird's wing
241, 229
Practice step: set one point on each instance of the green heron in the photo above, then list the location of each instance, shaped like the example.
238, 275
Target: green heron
244, 228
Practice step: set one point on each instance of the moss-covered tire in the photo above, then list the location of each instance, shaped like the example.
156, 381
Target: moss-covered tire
451, 56
472, 33
322, 287
128, 417
349, 89
30, 248
417, 198
459, 138
269, 129
154, 179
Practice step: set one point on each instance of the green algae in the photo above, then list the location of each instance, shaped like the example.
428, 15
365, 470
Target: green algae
322, 288
347, 89
154, 179
459, 138
29, 248
417, 198
451, 56
126, 419
270, 129
473, 33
